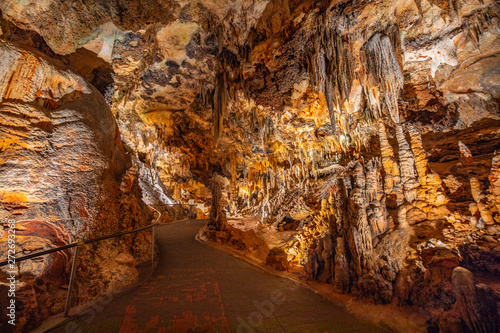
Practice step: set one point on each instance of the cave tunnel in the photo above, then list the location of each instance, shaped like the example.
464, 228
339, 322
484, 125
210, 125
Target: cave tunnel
250, 166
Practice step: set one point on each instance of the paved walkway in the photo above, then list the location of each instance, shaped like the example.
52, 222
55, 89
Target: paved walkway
197, 288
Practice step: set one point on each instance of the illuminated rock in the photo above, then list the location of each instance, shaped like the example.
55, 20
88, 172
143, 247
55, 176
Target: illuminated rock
419, 154
494, 176
377, 211
329, 128
61, 161
342, 280
406, 166
465, 154
475, 187
360, 239
392, 182
384, 71
471, 306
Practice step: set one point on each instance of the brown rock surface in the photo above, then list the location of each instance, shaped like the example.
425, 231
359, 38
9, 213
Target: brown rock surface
60, 160
363, 136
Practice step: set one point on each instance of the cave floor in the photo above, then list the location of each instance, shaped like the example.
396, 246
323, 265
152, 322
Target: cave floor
197, 288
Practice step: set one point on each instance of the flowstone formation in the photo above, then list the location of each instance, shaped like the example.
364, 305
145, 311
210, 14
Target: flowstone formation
353, 143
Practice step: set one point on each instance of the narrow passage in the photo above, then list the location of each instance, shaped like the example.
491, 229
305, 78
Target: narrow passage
197, 288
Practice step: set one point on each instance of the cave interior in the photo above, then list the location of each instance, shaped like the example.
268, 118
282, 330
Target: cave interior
353, 145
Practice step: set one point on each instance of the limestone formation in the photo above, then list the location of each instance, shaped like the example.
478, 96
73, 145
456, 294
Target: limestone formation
342, 279
353, 143
62, 165
217, 219
406, 166
384, 72
392, 184
473, 315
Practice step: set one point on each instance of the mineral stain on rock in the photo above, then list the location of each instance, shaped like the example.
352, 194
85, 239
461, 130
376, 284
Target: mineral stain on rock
354, 144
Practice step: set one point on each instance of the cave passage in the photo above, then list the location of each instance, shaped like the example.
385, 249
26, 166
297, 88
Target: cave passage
197, 288
351, 145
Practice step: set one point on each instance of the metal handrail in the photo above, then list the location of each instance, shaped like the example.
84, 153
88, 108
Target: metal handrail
78, 245
69, 246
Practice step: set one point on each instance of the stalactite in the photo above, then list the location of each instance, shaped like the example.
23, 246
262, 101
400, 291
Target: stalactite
474, 24
220, 100
331, 66
324, 84
320, 71
384, 72
330, 105
372, 99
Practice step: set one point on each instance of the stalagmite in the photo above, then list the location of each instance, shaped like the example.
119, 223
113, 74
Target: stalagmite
473, 314
407, 166
392, 184
234, 192
494, 176
480, 199
475, 187
217, 218
377, 211
342, 280
419, 154
360, 238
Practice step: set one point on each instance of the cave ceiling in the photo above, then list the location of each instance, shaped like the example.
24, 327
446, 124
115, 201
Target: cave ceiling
372, 125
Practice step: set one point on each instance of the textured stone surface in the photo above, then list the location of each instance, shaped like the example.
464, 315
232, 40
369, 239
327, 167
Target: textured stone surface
60, 160
370, 127
198, 288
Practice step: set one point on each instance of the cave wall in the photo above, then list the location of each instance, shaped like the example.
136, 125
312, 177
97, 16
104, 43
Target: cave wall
373, 127
62, 179
368, 130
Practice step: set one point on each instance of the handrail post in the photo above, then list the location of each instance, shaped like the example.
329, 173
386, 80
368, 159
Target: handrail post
72, 278
152, 245
153, 235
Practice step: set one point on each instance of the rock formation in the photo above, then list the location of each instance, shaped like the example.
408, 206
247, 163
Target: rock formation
358, 139
62, 162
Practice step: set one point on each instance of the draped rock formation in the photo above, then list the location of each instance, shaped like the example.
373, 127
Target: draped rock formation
353, 143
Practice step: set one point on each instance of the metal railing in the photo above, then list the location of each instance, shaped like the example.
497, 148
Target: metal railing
78, 245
